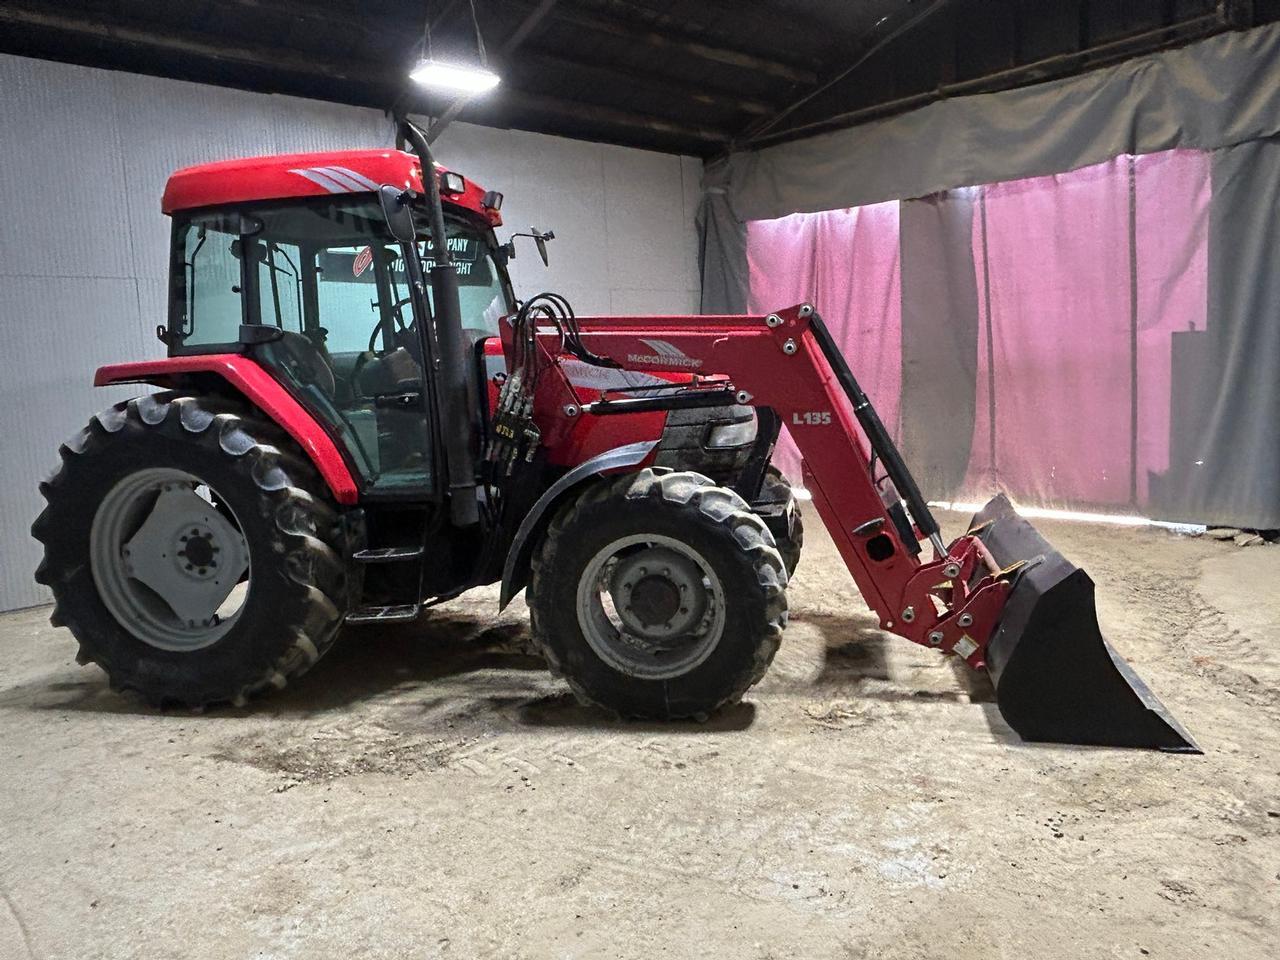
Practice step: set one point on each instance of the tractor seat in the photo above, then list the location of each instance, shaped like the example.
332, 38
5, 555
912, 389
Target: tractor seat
393, 372
307, 363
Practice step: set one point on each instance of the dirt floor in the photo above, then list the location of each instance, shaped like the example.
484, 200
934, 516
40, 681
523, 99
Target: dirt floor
433, 793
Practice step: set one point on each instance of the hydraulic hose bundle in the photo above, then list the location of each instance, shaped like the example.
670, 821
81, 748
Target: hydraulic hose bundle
515, 437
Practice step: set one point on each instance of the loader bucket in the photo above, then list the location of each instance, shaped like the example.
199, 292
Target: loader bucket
1056, 677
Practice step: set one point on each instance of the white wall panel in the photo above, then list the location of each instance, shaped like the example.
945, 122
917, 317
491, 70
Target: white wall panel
164, 125
303, 126
84, 157
61, 172
643, 194
645, 302
691, 178
53, 332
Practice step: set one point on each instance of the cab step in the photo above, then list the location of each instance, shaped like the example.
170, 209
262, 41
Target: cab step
396, 614
387, 554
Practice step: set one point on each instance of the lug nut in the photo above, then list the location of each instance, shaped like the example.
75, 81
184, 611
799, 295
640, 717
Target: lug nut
935, 638
909, 614
951, 570
789, 347
965, 619
773, 320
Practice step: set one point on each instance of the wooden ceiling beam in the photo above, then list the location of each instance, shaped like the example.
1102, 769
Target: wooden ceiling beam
681, 43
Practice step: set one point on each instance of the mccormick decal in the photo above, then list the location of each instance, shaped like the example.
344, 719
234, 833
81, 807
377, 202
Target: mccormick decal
664, 354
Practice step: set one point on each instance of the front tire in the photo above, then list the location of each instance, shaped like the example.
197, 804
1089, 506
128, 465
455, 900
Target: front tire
776, 489
658, 595
144, 503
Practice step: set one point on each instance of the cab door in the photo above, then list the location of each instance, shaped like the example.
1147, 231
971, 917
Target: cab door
334, 284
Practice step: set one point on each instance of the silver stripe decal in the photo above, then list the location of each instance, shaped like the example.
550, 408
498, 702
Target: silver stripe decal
350, 174
321, 180
342, 185
663, 349
348, 184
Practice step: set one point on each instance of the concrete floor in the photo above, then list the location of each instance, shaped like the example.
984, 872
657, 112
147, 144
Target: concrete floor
432, 793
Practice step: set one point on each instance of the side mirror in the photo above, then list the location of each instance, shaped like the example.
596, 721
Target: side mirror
395, 208
539, 238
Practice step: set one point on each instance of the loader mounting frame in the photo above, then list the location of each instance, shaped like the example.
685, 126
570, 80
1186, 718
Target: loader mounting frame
787, 362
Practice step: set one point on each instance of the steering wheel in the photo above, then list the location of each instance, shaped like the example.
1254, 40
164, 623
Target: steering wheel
401, 330
402, 333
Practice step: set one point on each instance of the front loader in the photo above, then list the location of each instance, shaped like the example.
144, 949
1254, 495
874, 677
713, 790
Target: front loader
357, 419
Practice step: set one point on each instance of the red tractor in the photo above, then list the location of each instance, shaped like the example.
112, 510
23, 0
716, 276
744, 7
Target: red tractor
357, 419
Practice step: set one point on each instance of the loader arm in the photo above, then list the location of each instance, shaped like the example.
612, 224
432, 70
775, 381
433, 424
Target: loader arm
998, 597
788, 362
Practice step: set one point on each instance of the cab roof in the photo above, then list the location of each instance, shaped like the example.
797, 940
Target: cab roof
289, 175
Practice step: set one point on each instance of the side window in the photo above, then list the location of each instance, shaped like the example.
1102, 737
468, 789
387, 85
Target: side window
206, 305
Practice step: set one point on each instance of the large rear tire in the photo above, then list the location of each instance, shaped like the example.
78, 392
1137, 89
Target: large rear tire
145, 503
658, 595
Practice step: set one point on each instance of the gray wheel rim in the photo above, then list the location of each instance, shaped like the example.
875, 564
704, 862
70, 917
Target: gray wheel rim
657, 651
169, 566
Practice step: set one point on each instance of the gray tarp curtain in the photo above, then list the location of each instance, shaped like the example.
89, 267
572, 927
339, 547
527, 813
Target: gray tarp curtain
1220, 95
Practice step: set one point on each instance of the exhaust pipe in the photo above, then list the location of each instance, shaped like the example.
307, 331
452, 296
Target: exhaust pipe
1057, 679
452, 374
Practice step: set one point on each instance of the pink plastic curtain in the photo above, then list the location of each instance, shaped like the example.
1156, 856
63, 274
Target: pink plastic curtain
845, 261
1082, 279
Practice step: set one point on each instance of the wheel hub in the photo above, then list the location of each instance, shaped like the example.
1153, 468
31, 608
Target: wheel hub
166, 559
197, 552
651, 606
658, 593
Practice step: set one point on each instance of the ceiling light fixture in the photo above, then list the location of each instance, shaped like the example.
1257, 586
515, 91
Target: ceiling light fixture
463, 78
454, 77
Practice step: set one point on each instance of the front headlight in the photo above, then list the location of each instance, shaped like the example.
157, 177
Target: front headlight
723, 436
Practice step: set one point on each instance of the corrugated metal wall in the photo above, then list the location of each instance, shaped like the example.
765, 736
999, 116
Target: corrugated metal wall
83, 159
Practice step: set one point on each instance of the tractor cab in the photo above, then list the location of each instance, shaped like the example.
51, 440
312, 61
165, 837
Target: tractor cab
291, 259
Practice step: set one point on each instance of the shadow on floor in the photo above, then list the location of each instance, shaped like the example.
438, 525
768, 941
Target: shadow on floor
855, 654
370, 664
367, 664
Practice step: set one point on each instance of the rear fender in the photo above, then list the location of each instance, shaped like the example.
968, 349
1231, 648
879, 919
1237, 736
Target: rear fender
260, 389
515, 572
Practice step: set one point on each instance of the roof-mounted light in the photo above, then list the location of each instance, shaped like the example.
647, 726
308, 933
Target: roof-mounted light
451, 182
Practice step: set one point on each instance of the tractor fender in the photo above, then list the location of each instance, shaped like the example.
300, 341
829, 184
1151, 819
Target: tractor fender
259, 388
515, 572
